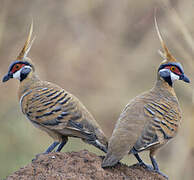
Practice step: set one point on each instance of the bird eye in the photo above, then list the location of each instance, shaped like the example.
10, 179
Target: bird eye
172, 68
17, 66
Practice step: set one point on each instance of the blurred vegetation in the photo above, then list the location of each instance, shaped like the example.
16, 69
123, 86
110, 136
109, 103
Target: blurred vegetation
105, 53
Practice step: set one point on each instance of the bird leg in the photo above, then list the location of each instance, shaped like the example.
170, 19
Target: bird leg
51, 147
61, 145
155, 165
141, 163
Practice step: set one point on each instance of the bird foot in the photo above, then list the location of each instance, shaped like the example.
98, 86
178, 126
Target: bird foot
150, 168
159, 172
146, 166
37, 155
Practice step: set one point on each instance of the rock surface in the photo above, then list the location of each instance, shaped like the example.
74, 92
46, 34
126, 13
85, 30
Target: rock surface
81, 165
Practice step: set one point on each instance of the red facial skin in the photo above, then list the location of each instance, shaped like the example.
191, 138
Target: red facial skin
174, 69
17, 67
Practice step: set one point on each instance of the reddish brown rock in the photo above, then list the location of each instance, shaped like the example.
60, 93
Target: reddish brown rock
81, 165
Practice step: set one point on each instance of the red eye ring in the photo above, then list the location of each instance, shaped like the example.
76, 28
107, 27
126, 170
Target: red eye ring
173, 69
17, 66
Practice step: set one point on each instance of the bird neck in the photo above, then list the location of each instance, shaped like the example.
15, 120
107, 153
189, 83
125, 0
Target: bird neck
162, 85
28, 83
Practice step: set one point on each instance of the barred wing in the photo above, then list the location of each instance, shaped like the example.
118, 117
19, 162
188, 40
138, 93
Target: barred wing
162, 126
57, 110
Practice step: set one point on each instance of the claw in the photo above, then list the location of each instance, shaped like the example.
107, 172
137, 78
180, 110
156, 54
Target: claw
150, 168
146, 166
159, 172
37, 156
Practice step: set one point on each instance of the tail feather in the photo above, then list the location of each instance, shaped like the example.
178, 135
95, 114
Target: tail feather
97, 144
101, 146
110, 160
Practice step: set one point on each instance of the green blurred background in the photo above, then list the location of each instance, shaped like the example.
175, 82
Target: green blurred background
105, 53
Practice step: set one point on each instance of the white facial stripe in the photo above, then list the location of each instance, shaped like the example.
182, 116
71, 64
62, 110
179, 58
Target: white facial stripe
17, 74
174, 77
164, 73
163, 70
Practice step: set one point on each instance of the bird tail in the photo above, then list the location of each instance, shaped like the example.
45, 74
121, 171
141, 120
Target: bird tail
100, 146
109, 160
93, 136
99, 143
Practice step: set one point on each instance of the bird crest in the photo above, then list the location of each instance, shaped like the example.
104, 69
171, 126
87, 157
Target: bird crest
166, 54
28, 44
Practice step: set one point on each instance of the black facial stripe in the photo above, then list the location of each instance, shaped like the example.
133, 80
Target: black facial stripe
168, 80
24, 73
18, 62
23, 76
178, 65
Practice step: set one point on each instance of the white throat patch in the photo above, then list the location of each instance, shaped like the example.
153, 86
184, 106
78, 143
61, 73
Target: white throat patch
17, 75
174, 77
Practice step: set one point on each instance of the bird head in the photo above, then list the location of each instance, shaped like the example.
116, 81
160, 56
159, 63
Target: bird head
22, 66
170, 69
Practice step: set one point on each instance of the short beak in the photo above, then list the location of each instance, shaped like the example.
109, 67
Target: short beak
7, 77
184, 78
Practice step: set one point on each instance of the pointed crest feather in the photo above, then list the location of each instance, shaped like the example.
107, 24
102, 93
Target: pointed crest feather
27, 44
166, 53
161, 54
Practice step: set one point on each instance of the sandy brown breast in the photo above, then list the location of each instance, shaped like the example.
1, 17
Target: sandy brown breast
59, 113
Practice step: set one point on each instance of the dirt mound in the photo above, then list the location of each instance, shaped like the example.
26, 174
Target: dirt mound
81, 165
